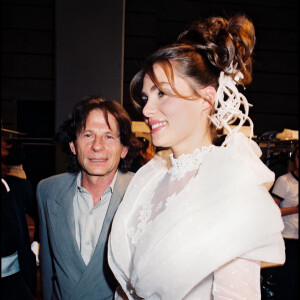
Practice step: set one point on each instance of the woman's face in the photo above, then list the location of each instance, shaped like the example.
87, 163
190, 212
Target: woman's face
175, 122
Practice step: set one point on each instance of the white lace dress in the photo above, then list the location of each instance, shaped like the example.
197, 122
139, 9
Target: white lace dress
200, 229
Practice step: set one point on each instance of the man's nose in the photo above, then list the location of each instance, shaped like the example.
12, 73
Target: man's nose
98, 144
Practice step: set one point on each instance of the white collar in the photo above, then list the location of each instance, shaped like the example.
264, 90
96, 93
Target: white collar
187, 162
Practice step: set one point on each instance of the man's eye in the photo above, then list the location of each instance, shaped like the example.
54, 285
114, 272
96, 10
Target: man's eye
109, 137
87, 135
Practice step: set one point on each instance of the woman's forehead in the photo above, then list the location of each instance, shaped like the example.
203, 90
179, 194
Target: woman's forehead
162, 72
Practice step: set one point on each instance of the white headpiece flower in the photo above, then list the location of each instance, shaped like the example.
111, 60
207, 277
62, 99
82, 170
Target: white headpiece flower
228, 109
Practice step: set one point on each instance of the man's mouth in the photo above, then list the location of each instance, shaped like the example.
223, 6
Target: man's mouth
98, 159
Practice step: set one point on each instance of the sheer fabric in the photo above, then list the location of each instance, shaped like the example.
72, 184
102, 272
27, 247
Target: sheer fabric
200, 235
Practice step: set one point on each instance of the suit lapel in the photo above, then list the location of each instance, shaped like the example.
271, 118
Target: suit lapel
61, 215
99, 256
118, 193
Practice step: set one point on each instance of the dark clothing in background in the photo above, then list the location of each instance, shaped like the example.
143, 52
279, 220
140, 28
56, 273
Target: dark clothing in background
287, 275
15, 237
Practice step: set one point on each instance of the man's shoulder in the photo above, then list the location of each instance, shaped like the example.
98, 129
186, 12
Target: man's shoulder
58, 180
126, 177
284, 178
122, 181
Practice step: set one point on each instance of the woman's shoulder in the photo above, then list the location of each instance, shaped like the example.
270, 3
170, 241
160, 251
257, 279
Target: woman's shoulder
240, 160
144, 179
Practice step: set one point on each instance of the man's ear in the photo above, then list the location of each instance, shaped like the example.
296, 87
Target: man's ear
72, 147
208, 95
124, 152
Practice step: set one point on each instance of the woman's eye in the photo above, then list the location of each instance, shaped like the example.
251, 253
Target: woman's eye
161, 93
144, 99
87, 135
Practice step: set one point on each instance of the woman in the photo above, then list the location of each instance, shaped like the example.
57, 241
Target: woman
200, 229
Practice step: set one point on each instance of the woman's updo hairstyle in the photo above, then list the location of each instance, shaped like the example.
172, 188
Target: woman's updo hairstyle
200, 53
226, 43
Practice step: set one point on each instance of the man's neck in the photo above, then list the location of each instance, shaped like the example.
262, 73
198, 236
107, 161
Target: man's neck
96, 185
296, 172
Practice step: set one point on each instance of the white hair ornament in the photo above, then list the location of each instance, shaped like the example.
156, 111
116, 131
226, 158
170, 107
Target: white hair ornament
228, 109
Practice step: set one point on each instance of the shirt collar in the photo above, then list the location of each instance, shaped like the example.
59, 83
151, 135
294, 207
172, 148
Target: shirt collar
110, 187
113, 182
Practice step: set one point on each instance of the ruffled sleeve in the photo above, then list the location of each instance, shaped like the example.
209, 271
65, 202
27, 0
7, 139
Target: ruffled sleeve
245, 155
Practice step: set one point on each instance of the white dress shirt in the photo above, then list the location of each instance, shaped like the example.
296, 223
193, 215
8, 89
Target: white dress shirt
286, 189
89, 218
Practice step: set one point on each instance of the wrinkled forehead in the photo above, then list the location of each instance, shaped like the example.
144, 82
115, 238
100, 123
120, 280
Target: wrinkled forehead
102, 113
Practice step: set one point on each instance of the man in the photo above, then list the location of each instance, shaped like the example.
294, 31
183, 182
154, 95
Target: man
76, 209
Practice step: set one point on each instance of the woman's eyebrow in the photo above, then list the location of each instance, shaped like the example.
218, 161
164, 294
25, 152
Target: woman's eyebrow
162, 83
153, 88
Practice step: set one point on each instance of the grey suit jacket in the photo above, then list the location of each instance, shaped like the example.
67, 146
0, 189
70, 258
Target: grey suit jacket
64, 274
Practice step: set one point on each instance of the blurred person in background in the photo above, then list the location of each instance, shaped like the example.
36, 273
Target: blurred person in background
15, 159
18, 262
145, 154
286, 195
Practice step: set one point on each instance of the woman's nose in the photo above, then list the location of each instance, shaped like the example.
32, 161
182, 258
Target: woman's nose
149, 109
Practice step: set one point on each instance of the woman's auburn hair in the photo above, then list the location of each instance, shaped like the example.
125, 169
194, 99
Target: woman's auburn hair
200, 53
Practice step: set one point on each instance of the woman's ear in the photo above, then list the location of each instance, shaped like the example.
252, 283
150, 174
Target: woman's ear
208, 95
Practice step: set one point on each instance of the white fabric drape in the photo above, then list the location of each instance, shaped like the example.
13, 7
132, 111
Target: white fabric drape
222, 213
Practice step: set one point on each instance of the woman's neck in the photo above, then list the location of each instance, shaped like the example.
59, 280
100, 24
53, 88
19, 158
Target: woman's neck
189, 148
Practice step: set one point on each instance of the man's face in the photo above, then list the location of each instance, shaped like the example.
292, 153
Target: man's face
98, 148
